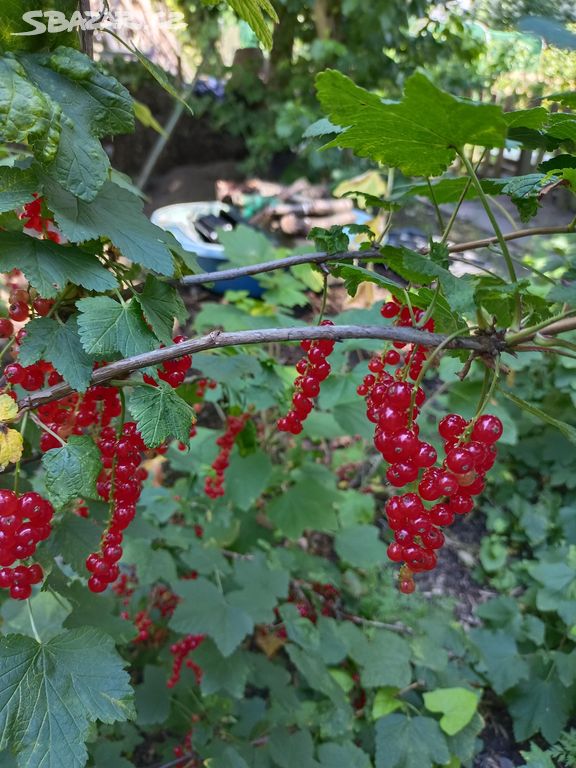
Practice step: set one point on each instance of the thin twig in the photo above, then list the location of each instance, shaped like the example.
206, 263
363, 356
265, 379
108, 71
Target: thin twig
371, 255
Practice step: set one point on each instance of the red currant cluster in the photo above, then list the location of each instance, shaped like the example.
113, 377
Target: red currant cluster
180, 650
184, 750
173, 372
121, 483
24, 522
21, 305
34, 220
202, 385
75, 413
312, 369
214, 484
392, 404
470, 452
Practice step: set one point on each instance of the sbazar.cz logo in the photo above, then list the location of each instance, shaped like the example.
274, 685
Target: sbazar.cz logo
56, 21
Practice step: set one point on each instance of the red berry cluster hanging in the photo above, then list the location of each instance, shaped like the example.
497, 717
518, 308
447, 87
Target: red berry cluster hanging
34, 220
214, 484
173, 372
392, 404
179, 651
121, 484
313, 370
24, 522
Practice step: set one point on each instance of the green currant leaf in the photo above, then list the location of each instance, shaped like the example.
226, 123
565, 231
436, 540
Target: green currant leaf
419, 134
17, 187
46, 339
206, 610
49, 266
409, 742
254, 13
51, 692
27, 115
500, 658
360, 546
306, 505
152, 697
384, 659
567, 430
160, 413
92, 105
457, 706
346, 755
74, 539
540, 704
71, 471
152, 565
107, 327
221, 674
116, 214
161, 304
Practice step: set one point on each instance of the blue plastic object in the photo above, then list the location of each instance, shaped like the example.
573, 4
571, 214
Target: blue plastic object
179, 220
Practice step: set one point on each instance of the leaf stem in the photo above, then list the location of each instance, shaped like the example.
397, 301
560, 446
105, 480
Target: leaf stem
437, 210
528, 333
32, 622
46, 428
19, 462
497, 231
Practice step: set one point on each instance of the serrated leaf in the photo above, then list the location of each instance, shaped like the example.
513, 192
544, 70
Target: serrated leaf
160, 413
457, 706
541, 704
71, 471
49, 266
93, 105
50, 693
152, 697
384, 658
205, 610
254, 13
504, 666
152, 565
360, 546
161, 304
47, 339
409, 742
567, 430
221, 674
306, 505
74, 539
418, 134
132, 232
17, 187
346, 755
27, 115
107, 327
414, 267
48, 612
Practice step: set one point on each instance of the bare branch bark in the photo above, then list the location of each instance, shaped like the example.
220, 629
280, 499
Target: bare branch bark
217, 339
370, 255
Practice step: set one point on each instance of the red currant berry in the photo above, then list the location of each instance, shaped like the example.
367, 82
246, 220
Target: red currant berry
460, 504
20, 591
407, 586
14, 373
19, 311
42, 306
487, 429
6, 328
459, 461
389, 310
452, 426
394, 552
440, 514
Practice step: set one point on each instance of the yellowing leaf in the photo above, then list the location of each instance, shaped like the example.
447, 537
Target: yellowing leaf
457, 706
11, 446
8, 408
